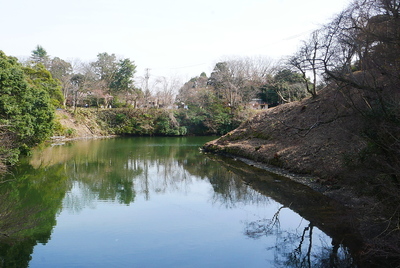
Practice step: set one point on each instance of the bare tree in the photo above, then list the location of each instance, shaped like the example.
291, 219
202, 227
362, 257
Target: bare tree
62, 71
187, 93
360, 54
167, 89
307, 62
238, 80
227, 79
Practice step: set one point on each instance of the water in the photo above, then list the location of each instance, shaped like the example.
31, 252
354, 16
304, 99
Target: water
161, 202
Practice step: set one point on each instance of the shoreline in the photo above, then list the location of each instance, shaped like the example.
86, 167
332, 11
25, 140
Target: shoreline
342, 194
59, 139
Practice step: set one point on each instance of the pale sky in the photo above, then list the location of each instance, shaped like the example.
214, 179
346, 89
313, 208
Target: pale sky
171, 37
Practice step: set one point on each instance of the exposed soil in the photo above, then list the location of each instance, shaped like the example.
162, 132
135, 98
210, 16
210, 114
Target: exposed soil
82, 128
318, 139
314, 137
69, 122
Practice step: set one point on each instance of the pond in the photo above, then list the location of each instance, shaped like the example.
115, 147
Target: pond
161, 202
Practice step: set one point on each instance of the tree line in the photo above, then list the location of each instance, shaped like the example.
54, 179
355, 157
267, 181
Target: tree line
358, 49
110, 81
356, 54
100, 82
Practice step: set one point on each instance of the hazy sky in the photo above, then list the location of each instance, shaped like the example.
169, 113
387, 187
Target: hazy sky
171, 37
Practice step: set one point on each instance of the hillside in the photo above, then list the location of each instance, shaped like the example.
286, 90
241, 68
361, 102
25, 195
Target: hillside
314, 137
322, 140
78, 127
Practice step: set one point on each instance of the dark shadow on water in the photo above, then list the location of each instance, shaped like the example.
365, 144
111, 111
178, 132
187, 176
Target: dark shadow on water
320, 211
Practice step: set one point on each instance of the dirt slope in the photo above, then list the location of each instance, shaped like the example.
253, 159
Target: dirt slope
80, 127
314, 136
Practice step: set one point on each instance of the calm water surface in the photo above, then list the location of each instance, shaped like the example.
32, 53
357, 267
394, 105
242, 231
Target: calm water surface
159, 202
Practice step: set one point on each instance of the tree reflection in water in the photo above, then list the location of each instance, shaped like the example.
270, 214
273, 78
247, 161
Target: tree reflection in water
125, 171
295, 248
230, 190
28, 208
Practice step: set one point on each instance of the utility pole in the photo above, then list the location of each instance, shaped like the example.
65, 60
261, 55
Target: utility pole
146, 77
147, 91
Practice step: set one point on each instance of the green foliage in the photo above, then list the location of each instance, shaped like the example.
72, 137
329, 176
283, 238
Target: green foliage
10, 156
204, 113
29, 206
40, 77
105, 67
123, 78
269, 95
60, 69
70, 132
39, 55
193, 120
26, 113
120, 118
60, 130
214, 119
286, 86
141, 122
166, 124
288, 76
116, 103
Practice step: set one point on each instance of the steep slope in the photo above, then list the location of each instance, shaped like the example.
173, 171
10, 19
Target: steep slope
314, 136
81, 125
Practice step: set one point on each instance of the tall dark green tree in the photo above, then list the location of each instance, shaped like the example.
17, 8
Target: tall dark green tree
39, 55
106, 67
123, 78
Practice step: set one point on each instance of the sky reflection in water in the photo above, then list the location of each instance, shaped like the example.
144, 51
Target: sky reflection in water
156, 202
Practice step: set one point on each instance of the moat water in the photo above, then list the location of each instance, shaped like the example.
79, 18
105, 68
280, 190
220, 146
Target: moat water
162, 202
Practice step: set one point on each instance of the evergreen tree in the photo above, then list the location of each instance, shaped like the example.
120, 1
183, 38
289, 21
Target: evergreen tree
39, 55
123, 78
26, 113
38, 76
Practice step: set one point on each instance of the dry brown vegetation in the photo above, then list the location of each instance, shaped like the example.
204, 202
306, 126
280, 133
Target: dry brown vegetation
323, 138
314, 136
